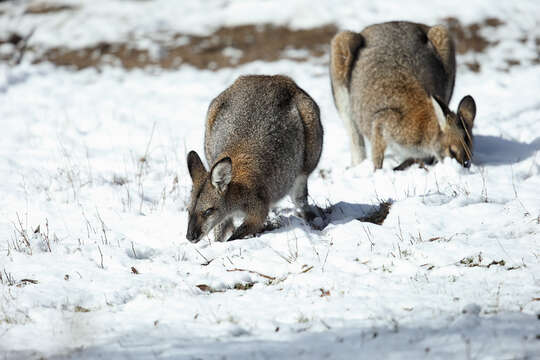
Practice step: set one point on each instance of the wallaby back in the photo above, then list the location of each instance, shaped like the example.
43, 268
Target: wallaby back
426, 53
271, 125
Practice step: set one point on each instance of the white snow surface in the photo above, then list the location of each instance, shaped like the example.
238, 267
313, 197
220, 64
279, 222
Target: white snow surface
96, 159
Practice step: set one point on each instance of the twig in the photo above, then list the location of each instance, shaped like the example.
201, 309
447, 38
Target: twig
204, 257
256, 272
24, 46
326, 257
28, 281
101, 255
143, 160
105, 240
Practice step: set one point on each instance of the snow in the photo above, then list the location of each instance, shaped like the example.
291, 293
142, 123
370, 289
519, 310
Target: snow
97, 160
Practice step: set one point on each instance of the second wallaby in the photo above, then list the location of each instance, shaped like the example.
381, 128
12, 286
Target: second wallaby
263, 138
391, 84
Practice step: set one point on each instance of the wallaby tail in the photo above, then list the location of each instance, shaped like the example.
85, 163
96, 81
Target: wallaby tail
345, 46
439, 36
313, 131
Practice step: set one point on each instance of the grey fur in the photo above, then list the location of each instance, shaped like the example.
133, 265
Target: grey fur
270, 130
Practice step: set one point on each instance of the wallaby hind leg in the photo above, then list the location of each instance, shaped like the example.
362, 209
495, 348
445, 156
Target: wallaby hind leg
224, 229
378, 146
299, 194
358, 147
383, 121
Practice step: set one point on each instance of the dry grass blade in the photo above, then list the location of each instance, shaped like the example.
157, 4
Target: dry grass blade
253, 272
79, 308
30, 281
208, 288
465, 146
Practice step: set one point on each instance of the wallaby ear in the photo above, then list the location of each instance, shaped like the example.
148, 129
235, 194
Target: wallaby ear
221, 174
467, 111
441, 110
195, 166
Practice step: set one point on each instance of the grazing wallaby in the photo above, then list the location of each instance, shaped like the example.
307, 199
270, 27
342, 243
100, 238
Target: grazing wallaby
263, 138
392, 83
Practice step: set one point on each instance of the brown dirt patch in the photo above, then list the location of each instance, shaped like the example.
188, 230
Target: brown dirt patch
233, 46
474, 66
227, 47
468, 37
41, 8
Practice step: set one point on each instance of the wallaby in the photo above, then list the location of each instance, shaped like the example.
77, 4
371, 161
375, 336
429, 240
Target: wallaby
392, 84
263, 138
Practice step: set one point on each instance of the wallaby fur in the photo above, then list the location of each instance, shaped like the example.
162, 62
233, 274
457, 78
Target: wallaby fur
263, 138
392, 83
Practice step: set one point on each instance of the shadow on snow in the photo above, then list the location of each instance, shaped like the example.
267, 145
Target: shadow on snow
494, 150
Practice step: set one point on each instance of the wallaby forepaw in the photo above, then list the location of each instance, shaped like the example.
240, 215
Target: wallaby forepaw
314, 216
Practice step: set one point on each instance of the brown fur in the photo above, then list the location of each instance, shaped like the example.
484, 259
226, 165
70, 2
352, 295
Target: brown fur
383, 82
344, 49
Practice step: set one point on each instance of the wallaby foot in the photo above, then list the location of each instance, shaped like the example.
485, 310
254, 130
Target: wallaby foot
422, 163
315, 217
299, 194
222, 230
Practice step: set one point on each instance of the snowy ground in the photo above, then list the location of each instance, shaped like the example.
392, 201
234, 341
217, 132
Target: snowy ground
93, 257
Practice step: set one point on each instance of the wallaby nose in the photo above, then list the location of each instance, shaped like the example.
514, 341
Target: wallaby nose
467, 164
193, 234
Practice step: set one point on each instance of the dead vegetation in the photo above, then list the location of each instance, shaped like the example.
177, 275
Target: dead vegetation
379, 215
41, 8
477, 261
469, 37
225, 47
237, 286
6, 278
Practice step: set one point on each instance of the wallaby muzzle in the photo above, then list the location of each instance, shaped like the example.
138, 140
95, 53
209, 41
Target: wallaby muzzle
194, 231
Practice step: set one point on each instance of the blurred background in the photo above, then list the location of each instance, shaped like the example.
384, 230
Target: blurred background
214, 34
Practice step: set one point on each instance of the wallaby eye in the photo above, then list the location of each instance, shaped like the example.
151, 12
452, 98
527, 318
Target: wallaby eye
453, 153
208, 212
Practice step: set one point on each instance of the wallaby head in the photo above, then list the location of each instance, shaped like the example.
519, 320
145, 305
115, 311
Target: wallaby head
208, 205
455, 137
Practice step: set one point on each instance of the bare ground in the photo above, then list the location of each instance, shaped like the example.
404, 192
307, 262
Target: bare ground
226, 47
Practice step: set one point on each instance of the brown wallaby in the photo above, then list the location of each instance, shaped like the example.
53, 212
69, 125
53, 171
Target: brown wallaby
263, 138
392, 84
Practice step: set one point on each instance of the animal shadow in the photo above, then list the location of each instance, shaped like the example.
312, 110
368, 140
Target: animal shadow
494, 150
340, 213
